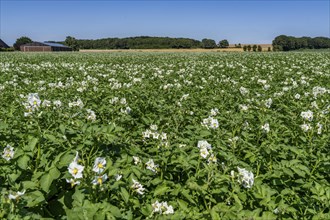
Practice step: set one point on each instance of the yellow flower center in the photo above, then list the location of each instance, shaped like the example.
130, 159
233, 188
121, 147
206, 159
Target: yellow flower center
75, 171
100, 165
35, 103
99, 180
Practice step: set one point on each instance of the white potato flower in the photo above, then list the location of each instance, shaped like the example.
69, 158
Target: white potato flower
8, 153
118, 177
152, 166
245, 177
34, 100
204, 152
91, 115
212, 159
137, 187
99, 165
73, 182
99, 180
204, 144
136, 160
305, 127
265, 127
76, 170
14, 196
162, 208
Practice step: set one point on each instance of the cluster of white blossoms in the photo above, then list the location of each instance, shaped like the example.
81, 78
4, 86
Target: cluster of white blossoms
91, 115
243, 90
126, 109
137, 160
32, 104
245, 177
77, 103
319, 91
268, 102
8, 153
243, 107
137, 187
153, 133
76, 171
214, 111
265, 127
210, 122
162, 208
150, 165
308, 115
205, 150
305, 127
98, 168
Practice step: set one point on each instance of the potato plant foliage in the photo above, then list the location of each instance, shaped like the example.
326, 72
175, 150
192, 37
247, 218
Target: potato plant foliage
165, 136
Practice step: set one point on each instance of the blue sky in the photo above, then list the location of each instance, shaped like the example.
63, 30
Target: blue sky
242, 21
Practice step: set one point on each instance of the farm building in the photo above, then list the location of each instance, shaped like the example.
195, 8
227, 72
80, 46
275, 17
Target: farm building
3, 44
44, 47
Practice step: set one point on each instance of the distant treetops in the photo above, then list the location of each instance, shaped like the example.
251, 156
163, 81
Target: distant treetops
286, 43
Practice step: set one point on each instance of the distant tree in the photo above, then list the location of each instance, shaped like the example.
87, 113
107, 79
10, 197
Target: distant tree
224, 43
72, 42
254, 48
20, 41
208, 43
239, 45
269, 49
244, 47
249, 47
259, 48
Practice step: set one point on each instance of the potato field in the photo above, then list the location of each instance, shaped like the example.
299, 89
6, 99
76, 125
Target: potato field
137, 135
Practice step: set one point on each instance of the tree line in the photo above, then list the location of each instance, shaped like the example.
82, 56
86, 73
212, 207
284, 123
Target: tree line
144, 42
286, 43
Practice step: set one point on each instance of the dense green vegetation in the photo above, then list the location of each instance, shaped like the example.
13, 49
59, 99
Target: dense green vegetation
143, 42
165, 136
286, 43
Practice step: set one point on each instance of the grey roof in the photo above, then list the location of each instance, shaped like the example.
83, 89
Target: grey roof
3, 44
54, 44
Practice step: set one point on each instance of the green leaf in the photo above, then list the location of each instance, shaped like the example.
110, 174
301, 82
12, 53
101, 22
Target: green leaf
62, 128
65, 160
124, 194
22, 162
3, 126
183, 204
29, 185
34, 198
214, 214
160, 190
78, 198
32, 143
268, 215
47, 179
115, 211
156, 181
50, 137
188, 196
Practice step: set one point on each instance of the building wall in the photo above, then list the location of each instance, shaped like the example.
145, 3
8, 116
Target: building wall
36, 48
